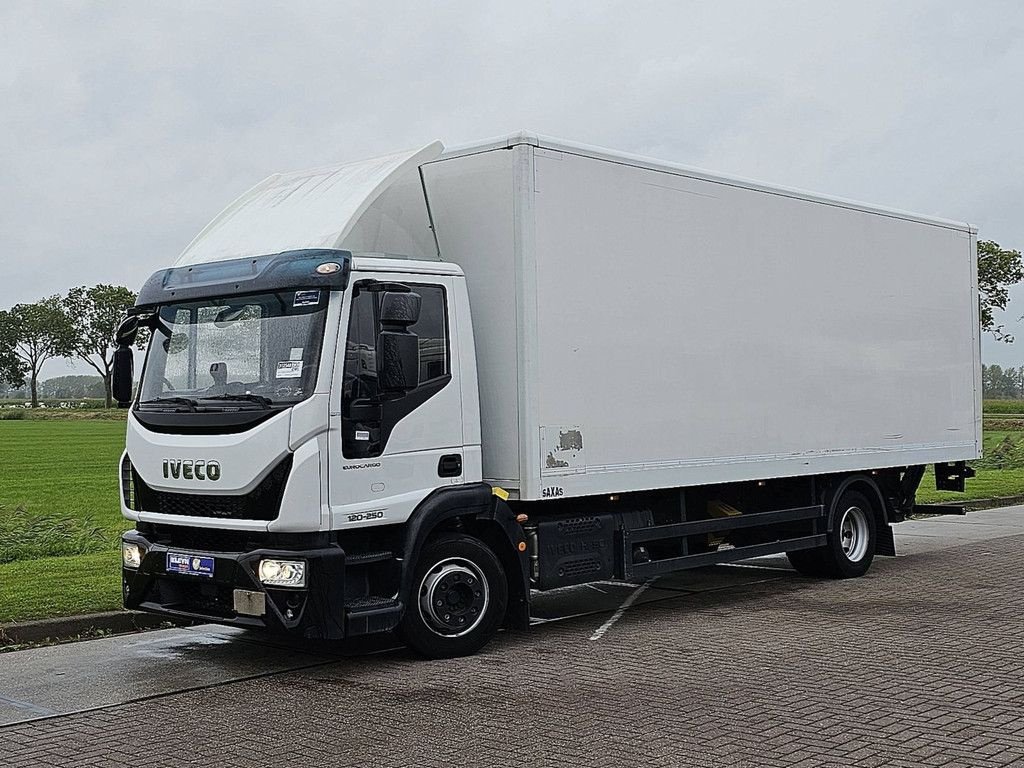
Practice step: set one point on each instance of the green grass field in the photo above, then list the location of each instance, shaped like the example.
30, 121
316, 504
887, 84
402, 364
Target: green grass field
60, 523
60, 586
59, 517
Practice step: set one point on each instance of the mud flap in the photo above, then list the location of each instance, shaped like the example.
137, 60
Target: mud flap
885, 541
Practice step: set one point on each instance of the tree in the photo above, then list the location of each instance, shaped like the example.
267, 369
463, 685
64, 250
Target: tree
998, 269
36, 333
12, 369
1002, 384
94, 314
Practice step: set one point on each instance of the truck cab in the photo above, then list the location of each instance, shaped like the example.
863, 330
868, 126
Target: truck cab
287, 405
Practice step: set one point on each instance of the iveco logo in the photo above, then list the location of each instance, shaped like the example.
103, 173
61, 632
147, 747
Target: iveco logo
192, 470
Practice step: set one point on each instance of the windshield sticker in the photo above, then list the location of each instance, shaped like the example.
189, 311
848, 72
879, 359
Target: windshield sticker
289, 369
295, 354
306, 298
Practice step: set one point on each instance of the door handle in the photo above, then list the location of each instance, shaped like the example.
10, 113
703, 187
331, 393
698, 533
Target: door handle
450, 465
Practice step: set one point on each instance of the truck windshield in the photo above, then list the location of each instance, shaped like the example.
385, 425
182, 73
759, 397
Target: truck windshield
235, 352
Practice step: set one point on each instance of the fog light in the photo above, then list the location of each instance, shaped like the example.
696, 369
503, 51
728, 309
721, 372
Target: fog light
283, 573
131, 554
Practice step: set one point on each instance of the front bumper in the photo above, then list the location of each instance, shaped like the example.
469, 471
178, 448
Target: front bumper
316, 611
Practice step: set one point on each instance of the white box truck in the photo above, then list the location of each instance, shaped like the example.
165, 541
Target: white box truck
405, 393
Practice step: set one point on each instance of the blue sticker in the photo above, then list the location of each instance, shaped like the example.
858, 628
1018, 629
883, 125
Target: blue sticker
189, 565
306, 298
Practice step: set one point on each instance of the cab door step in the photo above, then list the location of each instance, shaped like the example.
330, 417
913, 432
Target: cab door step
366, 558
364, 615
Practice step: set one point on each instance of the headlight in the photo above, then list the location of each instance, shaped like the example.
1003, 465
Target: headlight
283, 573
131, 554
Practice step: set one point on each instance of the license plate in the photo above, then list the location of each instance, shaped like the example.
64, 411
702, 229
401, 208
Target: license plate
189, 565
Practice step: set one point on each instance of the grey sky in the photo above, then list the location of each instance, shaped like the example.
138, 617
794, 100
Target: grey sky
126, 126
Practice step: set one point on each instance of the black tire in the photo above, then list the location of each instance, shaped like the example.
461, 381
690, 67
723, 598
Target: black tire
457, 598
851, 542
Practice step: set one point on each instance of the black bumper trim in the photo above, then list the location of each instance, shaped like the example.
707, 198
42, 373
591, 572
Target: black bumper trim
315, 612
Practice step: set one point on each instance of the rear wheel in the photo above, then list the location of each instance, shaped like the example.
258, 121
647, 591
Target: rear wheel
851, 542
458, 598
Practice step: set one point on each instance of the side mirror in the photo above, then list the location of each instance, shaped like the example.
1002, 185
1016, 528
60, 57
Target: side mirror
401, 309
398, 361
398, 350
121, 378
126, 332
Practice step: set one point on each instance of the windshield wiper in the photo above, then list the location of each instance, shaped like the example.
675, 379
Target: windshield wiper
266, 402
186, 401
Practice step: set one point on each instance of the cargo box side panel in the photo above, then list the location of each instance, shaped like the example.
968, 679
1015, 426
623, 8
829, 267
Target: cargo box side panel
692, 332
976, 308
471, 203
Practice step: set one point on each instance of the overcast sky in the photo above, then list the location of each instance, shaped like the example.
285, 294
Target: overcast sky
127, 126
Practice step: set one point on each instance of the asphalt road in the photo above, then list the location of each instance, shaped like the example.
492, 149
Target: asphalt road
918, 663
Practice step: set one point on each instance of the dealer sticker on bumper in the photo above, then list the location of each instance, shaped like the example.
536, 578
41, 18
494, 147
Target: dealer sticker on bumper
190, 565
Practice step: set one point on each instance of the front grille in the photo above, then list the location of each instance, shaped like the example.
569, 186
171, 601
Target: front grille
205, 506
262, 503
127, 484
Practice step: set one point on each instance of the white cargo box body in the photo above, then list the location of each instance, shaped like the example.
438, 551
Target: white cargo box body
642, 326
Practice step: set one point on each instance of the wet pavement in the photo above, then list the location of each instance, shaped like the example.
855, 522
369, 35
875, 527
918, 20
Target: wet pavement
69, 678
706, 667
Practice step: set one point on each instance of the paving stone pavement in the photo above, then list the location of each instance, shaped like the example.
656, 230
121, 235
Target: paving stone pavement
920, 663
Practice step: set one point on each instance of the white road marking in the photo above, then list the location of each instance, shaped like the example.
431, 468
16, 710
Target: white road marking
26, 706
599, 632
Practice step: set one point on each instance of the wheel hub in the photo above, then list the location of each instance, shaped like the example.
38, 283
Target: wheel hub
453, 597
854, 534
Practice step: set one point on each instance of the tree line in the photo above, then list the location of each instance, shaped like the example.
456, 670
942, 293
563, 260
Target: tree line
68, 387
78, 325
1000, 383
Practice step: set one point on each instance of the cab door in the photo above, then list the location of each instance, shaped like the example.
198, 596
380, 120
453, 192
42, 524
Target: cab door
389, 450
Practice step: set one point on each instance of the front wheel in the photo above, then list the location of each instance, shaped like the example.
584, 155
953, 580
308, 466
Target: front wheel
458, 598
851, 542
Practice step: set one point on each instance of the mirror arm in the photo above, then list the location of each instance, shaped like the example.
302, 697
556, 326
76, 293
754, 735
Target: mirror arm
377, 286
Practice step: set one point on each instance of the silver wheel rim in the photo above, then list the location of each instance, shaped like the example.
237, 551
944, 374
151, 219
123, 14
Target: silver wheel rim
453, 597
854, 534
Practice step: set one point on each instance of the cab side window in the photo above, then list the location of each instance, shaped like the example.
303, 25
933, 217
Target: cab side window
432, 331
367, 418
360, 349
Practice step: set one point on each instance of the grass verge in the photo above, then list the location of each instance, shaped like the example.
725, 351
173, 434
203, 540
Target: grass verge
63, 414
58, 494
28, 535
62, 470
988, 484
60, 586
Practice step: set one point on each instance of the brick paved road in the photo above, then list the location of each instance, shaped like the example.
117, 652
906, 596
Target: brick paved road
918, 664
